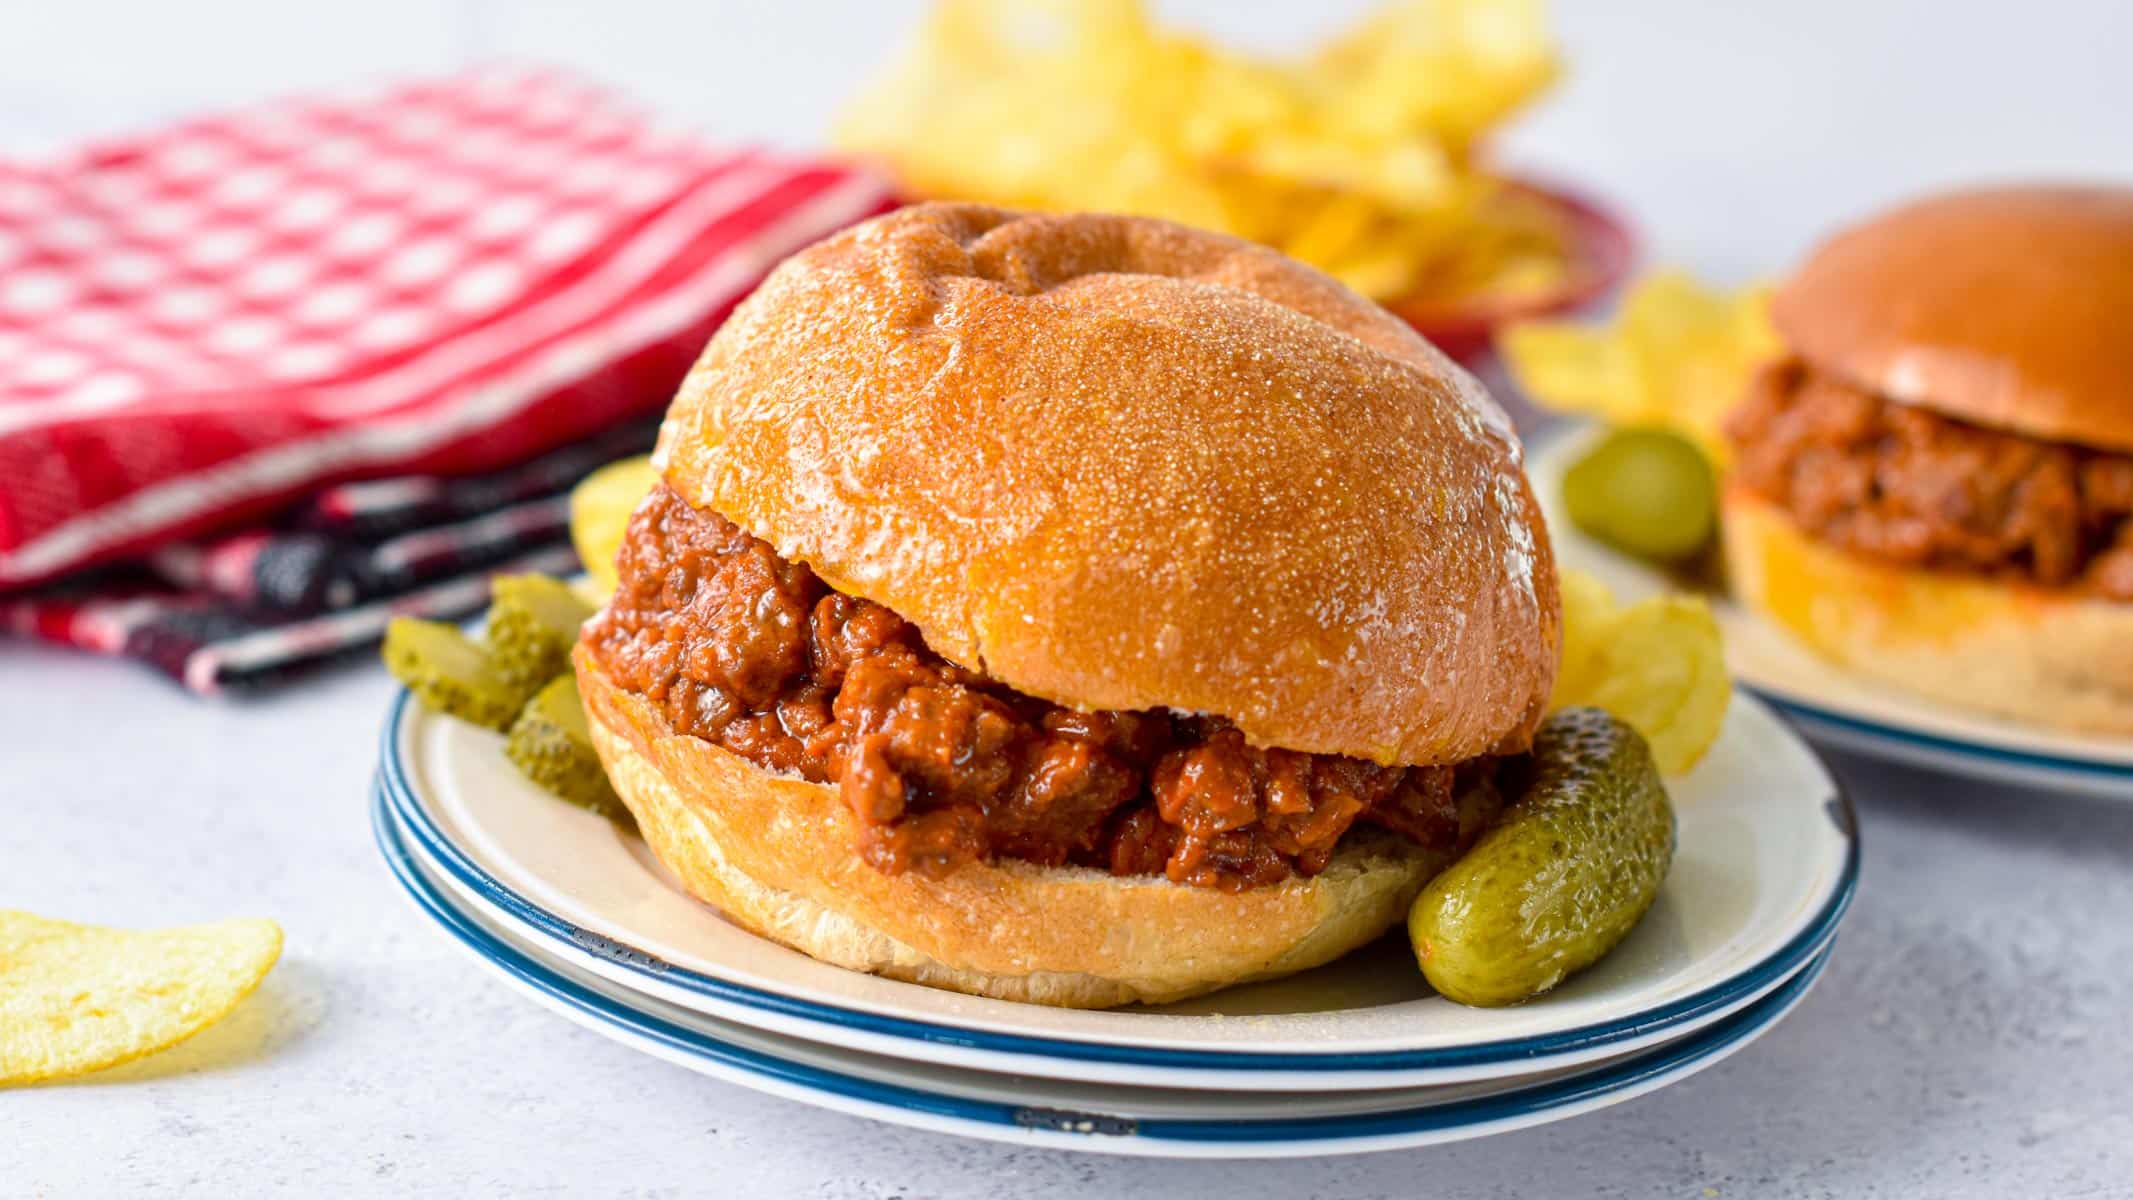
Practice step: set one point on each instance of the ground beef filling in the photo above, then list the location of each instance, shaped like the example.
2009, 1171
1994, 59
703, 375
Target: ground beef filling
1902, 485
943, 766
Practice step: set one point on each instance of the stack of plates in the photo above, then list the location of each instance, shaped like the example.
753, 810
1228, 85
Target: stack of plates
1358, 1055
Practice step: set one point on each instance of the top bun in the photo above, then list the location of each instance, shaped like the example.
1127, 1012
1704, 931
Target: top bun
1122, 464
2008, 307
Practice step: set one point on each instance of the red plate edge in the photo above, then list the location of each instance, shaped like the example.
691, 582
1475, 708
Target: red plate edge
1603, 249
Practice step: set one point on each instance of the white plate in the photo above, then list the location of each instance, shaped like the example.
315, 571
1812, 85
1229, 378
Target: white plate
1765, 868
1388, 957
432, 892
1131, 1121
1838, 707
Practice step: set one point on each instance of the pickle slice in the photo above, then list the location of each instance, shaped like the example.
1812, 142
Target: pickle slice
533, 622
551, 745
1646, 491
450, 673
1568, 871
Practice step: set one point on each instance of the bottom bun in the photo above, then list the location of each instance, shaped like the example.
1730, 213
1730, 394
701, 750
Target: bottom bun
2047, 656
775, 854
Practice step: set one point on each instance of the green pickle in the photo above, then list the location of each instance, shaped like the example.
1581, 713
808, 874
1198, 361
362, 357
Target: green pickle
519, 683
551, 744
533, 622
1571, 866
1648, 492
450, 673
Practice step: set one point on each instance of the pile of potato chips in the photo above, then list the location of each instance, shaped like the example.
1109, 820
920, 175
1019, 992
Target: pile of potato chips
79, 998
1358, 158
1678, 355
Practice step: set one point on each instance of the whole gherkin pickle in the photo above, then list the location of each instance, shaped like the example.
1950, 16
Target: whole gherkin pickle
533, 622
450, 673
552, 746
1571, 866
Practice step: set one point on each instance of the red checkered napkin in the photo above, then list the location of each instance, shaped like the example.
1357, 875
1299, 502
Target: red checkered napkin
201, 324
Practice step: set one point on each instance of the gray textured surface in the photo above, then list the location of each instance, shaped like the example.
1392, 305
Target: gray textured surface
1970, 1039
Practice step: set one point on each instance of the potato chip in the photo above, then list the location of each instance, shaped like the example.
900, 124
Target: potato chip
1588, 605
1573, 369
1658, 664
1678, 354
1358, 158
600, 508
79, 998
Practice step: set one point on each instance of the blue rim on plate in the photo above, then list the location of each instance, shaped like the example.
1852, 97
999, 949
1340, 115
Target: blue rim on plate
396, 789
1813, 714
1704, 1043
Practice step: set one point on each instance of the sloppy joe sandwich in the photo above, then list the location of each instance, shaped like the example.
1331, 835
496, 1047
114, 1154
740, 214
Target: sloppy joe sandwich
1073, 609
1935, 485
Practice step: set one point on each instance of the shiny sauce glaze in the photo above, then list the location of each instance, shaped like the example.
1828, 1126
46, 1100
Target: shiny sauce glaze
942, 766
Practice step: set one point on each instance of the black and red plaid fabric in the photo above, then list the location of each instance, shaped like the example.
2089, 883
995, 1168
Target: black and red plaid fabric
237, 612
204, 326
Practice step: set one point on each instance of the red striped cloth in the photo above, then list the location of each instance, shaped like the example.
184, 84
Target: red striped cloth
200, 325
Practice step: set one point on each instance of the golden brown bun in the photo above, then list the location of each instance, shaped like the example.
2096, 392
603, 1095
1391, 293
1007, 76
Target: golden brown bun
2049, 656
2009, 307
1122, 464
775, 855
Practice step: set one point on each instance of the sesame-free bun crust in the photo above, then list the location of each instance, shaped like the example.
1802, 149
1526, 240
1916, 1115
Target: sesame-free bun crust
1121, 464
2049, 656
775, 855
2009, 307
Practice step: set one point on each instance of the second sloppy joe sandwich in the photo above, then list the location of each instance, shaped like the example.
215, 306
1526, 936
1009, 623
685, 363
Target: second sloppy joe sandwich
1073, 609
1935, 486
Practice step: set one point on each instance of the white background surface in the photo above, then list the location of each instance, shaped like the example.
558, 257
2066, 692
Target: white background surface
1970, 1040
